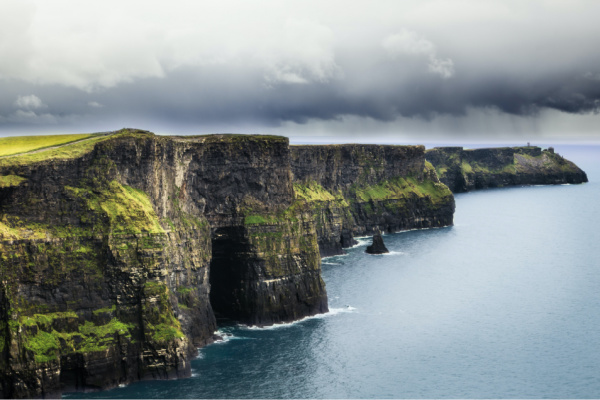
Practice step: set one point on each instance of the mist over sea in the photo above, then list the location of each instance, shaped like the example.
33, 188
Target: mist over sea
504, 304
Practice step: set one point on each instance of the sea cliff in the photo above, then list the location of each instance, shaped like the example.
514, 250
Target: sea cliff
464, 170
353, 190
118, 252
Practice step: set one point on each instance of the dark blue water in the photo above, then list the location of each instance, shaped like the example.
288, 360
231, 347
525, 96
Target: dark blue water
505, 304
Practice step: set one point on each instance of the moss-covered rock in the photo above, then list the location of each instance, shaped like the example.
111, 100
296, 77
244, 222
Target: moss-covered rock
113, 247
463, 170
356, 189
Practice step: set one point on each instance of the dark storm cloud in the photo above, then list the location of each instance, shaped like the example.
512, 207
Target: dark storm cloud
426, 60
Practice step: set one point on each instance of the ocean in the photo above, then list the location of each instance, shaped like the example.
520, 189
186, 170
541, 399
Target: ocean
504, 304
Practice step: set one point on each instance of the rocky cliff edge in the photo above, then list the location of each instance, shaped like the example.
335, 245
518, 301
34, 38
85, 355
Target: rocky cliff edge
464, 170
119, 252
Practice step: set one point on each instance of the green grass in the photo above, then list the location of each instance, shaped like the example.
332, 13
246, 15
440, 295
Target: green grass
88, 338
478, 168
312, 191
24, 144
129, 210
44, 346
111, 208
46, 343
402, 187
466, 168
70, 151
258, 220
184, 290
165, 332
11, 180
45, 320
160, 323
104, 310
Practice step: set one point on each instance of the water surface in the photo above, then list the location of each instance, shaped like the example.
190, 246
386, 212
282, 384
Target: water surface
505, 304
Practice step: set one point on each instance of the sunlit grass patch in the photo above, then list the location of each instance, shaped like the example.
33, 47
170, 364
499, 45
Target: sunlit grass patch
23, 144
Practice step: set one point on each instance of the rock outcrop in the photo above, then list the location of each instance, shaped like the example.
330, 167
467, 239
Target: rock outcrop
464, 170
119, 252
355, 189
377, 247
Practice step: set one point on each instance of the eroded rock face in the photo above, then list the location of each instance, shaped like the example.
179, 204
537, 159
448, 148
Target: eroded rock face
465, 170
106, 258
355, 189
115, 260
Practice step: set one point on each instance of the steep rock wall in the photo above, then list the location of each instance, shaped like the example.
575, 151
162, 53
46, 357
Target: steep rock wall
105, 256
464, 170
118, 253
354, 189
98, 289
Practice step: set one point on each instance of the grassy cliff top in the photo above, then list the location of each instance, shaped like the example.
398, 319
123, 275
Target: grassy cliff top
23, 150
23, 144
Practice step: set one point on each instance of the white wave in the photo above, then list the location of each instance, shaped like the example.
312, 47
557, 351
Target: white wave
330, 263
393, 253
225, 336
362, 241
331, 312
334, 257
122, 385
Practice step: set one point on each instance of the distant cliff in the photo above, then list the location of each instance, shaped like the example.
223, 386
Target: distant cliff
354, 189
464, 170
118, 252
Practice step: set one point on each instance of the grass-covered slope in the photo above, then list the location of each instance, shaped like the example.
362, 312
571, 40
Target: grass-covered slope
23, 144
26, 150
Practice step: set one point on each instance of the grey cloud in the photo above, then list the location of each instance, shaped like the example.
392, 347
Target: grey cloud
29, 102
309, 63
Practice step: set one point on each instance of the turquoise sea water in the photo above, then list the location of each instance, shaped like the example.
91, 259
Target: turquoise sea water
505, 304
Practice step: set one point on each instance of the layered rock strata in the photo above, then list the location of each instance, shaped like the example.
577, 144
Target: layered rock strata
355, 189
119, 252
464, 170
106, 248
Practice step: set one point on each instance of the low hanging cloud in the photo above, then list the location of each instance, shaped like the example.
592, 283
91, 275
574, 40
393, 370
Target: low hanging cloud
200, 66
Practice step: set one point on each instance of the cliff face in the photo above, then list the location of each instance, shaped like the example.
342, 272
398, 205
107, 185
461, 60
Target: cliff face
464, 170
117, 252
356, 189
105, 256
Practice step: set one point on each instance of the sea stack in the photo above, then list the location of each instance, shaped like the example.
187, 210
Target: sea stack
378, 247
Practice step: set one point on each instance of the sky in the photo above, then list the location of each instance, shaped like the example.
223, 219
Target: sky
398, 71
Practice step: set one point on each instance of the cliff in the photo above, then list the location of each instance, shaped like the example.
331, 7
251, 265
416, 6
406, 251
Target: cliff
118, 252
354, 190
464, 170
